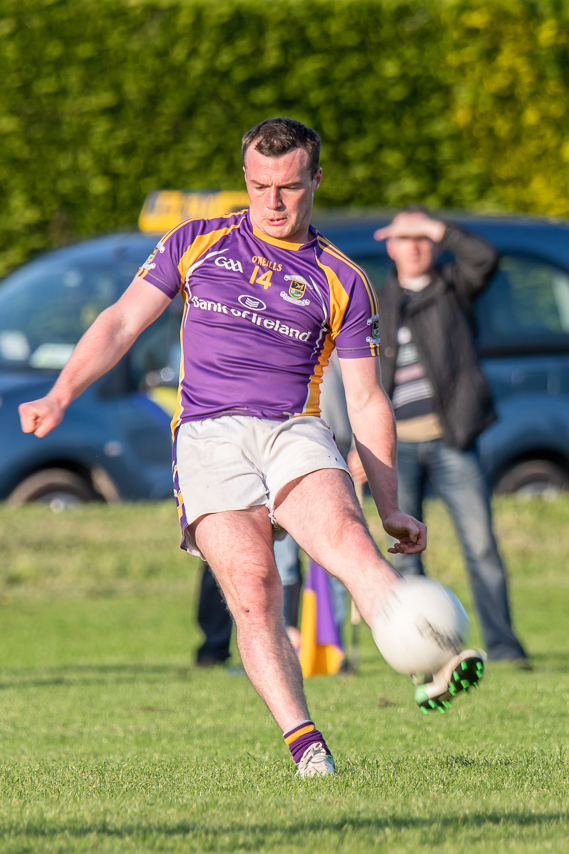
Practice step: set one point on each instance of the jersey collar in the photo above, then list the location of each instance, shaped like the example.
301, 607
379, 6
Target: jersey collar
281, 244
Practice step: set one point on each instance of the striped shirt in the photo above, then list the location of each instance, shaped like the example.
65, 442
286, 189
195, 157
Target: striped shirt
413, 394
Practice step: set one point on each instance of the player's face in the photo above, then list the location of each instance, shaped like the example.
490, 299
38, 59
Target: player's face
281, 193
413, 254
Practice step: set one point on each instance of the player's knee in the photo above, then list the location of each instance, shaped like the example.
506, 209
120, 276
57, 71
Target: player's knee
260, 602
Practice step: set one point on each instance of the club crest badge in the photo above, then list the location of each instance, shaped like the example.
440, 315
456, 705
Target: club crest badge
296, 289
149, 263
374, 323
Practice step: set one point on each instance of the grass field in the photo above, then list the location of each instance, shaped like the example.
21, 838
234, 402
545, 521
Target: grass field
112, 741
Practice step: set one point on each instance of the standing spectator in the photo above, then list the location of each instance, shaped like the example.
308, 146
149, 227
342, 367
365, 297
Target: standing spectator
441, 400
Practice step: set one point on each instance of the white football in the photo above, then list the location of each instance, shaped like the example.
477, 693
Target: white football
419, 626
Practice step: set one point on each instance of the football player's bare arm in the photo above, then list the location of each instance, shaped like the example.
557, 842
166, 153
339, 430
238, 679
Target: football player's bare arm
373, 425
105, 342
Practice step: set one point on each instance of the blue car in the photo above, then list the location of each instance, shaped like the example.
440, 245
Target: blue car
523, 341
114, 442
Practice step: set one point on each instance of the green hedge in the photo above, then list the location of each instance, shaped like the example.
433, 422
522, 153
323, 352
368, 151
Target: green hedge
456, 104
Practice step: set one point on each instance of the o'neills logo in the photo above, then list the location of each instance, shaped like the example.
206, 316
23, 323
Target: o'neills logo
252, 316
264, 262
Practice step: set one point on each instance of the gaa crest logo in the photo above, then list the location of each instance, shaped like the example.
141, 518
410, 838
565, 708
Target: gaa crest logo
296, 289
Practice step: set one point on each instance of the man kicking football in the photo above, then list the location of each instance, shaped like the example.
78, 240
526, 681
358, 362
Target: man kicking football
267, 299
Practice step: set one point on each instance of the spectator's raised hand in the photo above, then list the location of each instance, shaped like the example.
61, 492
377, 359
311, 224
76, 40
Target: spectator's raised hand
414, 225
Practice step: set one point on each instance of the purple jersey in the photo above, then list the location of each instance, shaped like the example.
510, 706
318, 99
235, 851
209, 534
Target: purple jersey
261, 317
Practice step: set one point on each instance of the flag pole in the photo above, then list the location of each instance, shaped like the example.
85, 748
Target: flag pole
355, 616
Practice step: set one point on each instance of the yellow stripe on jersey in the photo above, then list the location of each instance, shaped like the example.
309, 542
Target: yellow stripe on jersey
180, 225
337, 253
341, 256
200, 245
177, 417
374, 305
312, 406
339, 299
202, 237
338, 304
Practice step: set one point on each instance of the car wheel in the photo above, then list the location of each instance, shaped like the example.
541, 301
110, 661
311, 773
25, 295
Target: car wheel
59, 488
534, 478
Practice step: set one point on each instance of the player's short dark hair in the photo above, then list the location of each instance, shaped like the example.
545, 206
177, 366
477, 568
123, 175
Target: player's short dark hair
274, 137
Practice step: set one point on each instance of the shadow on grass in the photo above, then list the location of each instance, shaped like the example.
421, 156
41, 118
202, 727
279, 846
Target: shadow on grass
104, 674
96, 674
255, 837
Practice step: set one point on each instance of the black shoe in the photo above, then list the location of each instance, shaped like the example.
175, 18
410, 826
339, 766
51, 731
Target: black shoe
208, 661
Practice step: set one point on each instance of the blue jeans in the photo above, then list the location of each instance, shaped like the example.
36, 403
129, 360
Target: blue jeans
457, 478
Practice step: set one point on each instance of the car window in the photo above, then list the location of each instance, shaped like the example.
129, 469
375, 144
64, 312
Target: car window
526, 305
376, 266
46, 306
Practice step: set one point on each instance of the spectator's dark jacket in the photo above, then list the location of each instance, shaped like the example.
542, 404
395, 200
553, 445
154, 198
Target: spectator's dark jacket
441, 320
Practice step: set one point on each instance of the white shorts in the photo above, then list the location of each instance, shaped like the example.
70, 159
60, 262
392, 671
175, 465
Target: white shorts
237, 461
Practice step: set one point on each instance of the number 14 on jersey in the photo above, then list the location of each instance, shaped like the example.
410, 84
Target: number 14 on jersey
264, 279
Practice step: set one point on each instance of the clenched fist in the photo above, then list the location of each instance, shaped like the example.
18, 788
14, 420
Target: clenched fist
41, 416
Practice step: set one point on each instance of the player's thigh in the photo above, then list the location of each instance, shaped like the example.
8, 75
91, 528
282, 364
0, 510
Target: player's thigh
321, 512
238, 546
214, 471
